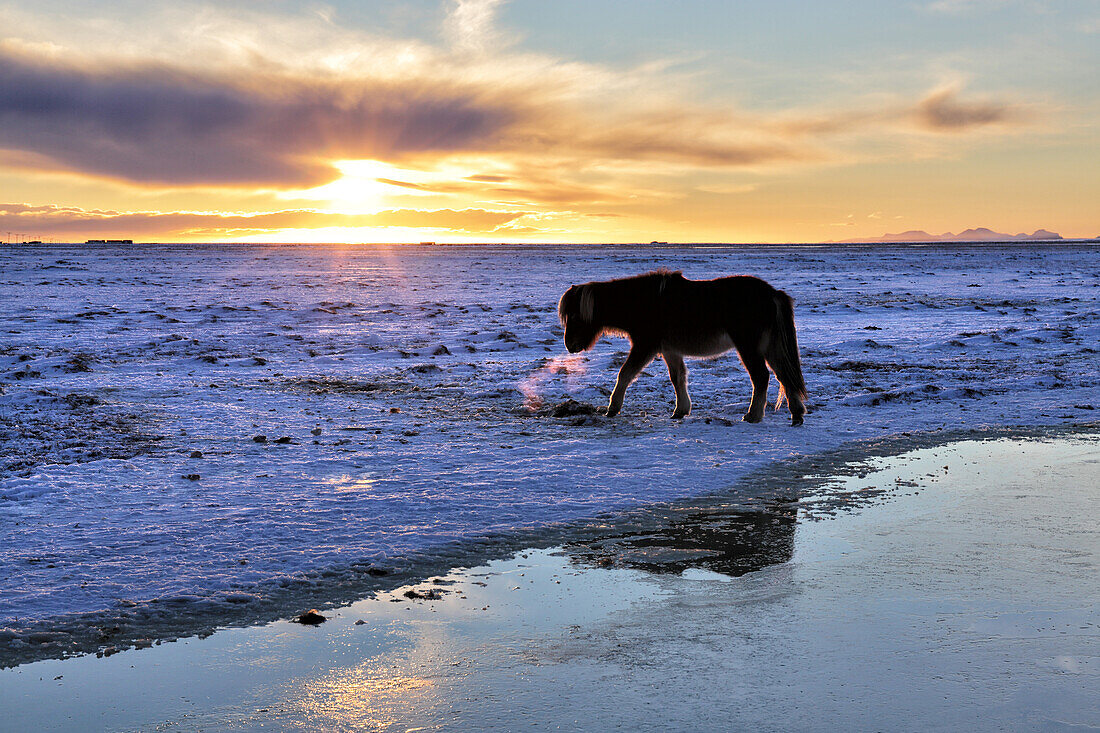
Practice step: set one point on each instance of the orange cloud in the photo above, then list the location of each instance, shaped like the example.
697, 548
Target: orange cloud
59, 220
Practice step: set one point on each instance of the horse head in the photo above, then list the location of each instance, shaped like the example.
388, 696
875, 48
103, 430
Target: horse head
577, 311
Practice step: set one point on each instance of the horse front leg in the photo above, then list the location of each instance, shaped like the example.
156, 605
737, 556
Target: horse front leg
635, 362
677, 373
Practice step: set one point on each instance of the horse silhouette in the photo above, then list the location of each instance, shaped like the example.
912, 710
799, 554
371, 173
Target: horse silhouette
664, 313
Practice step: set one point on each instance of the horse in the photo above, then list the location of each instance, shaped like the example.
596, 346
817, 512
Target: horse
664, 313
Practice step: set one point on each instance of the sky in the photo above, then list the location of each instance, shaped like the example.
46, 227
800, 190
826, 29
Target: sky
532, 121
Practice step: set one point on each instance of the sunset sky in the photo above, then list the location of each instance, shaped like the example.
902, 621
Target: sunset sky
535, 121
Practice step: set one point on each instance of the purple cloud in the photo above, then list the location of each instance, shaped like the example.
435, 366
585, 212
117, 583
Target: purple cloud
942, 111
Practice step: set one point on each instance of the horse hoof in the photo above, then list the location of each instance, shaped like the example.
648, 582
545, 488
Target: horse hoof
749, 417
612, 412
796, 421
679, 415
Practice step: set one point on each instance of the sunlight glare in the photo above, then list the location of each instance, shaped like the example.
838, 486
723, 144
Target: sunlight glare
359, 189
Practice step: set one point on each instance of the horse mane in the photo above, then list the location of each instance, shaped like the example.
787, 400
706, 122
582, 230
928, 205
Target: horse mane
581, 299
565, 305
660, 272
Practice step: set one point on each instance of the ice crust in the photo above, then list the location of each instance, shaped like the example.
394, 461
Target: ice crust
117, 363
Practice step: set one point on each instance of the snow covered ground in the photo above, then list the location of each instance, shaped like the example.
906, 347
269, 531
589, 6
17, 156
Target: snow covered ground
405, 397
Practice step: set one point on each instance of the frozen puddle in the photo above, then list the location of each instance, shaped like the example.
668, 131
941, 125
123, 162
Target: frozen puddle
946, 588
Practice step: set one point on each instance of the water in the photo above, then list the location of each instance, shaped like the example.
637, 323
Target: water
944, 588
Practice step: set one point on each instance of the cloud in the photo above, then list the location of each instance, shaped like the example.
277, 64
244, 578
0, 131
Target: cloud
941, 111
216, 103
470, 25
727, 189
62, 220
960, 7
159, 124
685, 137
222, 98
532, 190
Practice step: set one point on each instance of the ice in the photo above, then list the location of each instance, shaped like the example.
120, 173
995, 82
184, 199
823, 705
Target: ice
430, 372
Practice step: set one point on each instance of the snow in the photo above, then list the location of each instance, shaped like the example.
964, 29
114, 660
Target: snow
117, 363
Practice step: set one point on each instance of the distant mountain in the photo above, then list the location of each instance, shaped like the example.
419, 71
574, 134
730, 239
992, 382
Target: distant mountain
981, 234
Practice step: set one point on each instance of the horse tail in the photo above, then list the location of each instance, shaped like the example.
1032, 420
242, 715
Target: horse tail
782, 354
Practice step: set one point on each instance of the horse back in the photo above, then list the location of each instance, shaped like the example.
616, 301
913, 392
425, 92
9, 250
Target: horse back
664, 311
741, 306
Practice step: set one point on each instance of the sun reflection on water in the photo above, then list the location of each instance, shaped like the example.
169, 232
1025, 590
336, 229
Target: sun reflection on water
364, 698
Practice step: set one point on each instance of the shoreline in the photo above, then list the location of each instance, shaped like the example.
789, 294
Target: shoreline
157, 621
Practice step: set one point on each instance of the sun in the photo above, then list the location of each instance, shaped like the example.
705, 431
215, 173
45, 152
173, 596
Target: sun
364, 187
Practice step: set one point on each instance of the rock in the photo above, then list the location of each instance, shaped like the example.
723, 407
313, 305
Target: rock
191, 476
441, 351
431, 594
571, 407
312, 617
196, 454
259, 438
78, 363
316, 431
283, 440
360, 622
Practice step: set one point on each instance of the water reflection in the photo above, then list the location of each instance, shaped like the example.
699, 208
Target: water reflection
723, 539
363, 698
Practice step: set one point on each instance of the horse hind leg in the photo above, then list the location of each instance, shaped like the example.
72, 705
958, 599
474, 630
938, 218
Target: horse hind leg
781, 352
794, 403
757, 368
677, 373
